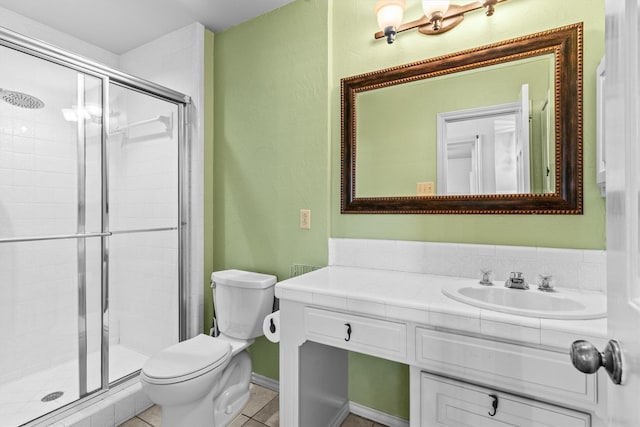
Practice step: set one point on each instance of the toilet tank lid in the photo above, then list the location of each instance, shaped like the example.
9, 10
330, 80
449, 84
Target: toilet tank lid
243, 279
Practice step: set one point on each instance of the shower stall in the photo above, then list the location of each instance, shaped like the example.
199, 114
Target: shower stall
93, 226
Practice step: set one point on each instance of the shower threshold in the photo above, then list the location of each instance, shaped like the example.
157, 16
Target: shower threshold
22, 400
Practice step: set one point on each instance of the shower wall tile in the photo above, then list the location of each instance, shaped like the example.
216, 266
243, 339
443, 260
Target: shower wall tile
37, 281
571, 268
175, 60
105, 414
125, 407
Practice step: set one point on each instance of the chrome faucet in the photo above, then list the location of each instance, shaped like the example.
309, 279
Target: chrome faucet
516, 281
545, 283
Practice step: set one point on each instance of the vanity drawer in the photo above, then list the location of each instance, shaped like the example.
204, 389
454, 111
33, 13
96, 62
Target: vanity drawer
528, 371
446, 402
358, 333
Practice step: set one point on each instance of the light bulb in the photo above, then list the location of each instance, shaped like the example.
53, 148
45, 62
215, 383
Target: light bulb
435, 10
389, 14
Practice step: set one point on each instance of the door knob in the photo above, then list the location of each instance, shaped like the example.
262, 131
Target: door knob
586, 358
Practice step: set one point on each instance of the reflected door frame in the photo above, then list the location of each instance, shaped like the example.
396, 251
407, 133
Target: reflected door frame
443, 140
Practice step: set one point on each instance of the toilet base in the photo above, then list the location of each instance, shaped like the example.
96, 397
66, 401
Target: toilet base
221, 405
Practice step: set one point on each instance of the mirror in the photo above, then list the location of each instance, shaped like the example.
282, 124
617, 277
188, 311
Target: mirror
495, 129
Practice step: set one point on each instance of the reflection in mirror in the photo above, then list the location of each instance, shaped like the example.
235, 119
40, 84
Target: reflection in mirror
495, 129
494, 149
482, 155
407, 137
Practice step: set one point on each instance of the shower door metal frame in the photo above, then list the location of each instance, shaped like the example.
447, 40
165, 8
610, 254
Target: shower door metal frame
109, 75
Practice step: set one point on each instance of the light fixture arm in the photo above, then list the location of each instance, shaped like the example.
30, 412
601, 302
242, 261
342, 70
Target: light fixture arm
453, 16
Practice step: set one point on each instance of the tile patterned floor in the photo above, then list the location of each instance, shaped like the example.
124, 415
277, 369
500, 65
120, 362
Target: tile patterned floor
261, 411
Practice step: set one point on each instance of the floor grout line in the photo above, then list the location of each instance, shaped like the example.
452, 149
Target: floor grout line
149, 424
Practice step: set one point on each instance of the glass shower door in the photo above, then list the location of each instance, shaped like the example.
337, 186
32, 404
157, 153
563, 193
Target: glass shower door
51, 236
144, 249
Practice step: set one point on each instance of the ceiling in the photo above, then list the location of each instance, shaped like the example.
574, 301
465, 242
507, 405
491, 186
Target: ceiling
121, 25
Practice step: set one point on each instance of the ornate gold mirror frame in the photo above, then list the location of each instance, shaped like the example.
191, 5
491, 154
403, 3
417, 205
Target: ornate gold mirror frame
565, 44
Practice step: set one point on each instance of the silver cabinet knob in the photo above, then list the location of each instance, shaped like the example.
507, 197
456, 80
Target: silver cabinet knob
586, 358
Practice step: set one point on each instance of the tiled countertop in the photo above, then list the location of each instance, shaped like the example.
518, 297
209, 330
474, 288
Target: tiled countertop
417, 298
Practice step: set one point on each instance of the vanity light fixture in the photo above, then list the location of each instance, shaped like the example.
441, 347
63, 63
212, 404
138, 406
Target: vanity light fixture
389, 14
434, 10
439, 16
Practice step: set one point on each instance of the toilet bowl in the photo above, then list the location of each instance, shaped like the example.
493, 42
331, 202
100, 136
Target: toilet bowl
204, 381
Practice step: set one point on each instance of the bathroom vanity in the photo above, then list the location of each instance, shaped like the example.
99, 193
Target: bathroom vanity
468, 365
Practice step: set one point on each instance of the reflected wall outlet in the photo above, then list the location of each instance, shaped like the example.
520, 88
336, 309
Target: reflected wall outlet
305, 219
425, 188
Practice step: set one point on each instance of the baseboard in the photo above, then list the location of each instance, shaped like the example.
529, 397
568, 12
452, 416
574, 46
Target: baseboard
342, 414
354, 408
377, 416
265, 382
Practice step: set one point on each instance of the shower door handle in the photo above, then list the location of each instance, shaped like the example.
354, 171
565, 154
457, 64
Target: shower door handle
54, 237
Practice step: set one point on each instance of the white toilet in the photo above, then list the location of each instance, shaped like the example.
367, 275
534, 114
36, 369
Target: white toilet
204, 381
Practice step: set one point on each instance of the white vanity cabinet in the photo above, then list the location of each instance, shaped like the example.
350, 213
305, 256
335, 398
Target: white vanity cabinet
381, 338
529, 371
453, 371
516, 378
445, 402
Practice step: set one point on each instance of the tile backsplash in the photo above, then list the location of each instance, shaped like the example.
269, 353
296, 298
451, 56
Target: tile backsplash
571, 268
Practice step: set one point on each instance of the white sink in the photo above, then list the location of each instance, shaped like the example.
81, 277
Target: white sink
560, 304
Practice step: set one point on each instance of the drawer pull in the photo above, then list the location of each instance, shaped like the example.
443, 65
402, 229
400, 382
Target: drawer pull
348, 332
494, 405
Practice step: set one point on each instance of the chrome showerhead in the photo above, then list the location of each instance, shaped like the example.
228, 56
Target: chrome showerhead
19, 99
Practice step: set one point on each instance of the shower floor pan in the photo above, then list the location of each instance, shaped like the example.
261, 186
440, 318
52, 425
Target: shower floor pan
21, 400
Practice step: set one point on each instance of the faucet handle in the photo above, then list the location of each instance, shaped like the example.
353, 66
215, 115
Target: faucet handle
486, 277
545, 283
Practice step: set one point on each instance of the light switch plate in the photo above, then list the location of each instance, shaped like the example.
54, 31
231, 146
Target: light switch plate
305, 219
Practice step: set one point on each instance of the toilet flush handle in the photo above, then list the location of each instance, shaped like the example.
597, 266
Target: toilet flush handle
348, 332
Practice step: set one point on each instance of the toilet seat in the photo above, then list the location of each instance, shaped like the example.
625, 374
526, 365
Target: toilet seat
187, 359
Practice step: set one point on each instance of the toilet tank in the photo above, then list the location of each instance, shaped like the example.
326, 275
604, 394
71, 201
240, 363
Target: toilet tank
242, 300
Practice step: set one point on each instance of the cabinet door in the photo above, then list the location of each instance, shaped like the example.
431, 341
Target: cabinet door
446, 402
542, 374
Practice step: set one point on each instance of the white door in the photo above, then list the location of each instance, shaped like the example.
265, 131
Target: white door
623, 198
522, 142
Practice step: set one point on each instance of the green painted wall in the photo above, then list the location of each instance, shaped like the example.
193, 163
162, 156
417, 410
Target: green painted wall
353, 51
271, 155
277, 149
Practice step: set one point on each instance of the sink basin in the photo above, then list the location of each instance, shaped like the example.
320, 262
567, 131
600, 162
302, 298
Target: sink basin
561, 304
